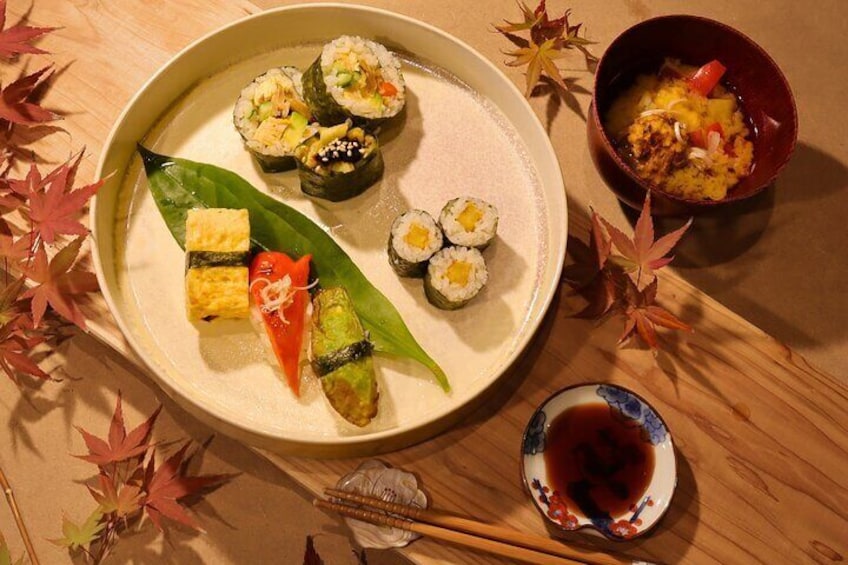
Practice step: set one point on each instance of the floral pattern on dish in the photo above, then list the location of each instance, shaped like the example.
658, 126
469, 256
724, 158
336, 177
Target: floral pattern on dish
634, 409
557, 508
534, 437
639, 518
374, 478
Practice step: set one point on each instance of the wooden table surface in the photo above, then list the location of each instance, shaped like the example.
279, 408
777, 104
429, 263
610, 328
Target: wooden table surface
762, 436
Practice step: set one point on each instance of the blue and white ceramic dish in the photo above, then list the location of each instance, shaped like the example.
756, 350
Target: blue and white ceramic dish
639, 518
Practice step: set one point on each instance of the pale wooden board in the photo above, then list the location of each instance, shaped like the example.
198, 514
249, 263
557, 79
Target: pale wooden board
762, 436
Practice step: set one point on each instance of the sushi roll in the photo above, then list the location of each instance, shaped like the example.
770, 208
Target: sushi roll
413, 239
217, 244
354, 78
470, 222
273, 119
454, 276
341, 357
340, 163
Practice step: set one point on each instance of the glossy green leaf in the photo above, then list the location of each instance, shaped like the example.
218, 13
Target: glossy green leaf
178, 185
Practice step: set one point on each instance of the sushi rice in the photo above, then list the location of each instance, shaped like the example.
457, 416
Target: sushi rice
413, 239
454, 276
273, 119
354, 78
469, 222
339, 163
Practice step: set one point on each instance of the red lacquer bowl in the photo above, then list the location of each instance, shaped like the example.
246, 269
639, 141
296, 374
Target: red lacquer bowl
765, 94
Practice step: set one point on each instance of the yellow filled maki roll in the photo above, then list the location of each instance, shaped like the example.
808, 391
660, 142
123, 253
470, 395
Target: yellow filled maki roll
217, 258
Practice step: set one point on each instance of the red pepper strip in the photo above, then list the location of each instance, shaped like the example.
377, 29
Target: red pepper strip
286, 338
387, 89
707, 77
697, 138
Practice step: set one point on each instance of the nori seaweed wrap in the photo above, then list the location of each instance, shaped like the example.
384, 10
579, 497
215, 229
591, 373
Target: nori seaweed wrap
454, 276
341, 357
413, 239
354, 78
273, 119
340, 163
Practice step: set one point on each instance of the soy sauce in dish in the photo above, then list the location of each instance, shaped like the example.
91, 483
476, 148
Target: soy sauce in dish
598, 460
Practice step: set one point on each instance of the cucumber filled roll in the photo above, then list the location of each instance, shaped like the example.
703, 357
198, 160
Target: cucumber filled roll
341, 357
340, 163
470, 222
354, 78
454, 276
413, 239
273, 119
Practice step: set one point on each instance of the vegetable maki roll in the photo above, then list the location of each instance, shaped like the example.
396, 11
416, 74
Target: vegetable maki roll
354, 78
470, 222
341, 357
340, 163
273, 119
454, 276
413, 239
217, 244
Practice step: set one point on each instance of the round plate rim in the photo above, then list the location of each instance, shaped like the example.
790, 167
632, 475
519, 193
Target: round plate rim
366, 442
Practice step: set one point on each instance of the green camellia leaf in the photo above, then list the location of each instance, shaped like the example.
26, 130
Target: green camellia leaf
178, 185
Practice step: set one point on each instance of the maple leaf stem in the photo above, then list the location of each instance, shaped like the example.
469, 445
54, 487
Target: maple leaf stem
19, 521
106, 544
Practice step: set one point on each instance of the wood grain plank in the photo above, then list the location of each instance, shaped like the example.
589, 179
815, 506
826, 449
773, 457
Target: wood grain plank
761, 435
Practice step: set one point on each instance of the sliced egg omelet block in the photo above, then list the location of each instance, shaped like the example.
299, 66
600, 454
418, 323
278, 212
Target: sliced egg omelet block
219, 288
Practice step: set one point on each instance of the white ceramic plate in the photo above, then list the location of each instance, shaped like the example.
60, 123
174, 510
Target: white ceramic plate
466, 130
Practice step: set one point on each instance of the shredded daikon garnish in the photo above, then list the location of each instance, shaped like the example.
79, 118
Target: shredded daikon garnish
698, 153
278, 295
677, 134
655, 111
713, 141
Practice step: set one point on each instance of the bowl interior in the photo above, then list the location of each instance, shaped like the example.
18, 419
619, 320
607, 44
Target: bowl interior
766, 98
555, 506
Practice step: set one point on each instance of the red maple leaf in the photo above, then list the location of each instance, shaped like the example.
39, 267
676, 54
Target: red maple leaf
56, 208
5, 164
15, 347
121, 445
310, 554
643, 315
16, 40
169, 484
642, 254
11, 248
122, 499
17, 101
58, 285
586, 274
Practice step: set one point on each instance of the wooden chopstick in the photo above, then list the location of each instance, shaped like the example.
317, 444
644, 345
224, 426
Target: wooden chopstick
453, 536
488, 531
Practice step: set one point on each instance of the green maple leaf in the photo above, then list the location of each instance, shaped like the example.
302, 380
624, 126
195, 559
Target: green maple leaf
6, 555
79, 536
